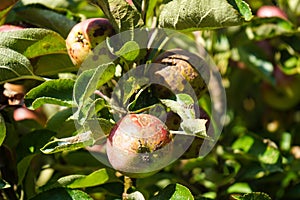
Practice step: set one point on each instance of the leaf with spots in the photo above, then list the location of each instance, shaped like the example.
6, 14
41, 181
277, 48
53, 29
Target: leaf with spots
33, 42
121, 14
203, 14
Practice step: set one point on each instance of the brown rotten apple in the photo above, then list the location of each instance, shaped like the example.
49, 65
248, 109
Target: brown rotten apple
85, 36
183, 63
139, 145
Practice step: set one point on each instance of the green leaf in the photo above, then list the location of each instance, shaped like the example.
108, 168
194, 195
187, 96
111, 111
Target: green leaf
48, 3
202, 14
194, 127
129, 51
263, 150
23, 166
90, 80
58, 91
62, 193
98, 177
57, 121
122, 16
264, 28
14, 66
89, 110
239, 188
183, 106
95, 130
33, 42
51, 65
32, 142
4, 184
253, 196
253, 58
2, 129
243, 8
174, 192
73, 143
46, 19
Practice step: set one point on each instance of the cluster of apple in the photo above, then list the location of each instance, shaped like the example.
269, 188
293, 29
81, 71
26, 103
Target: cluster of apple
145, 134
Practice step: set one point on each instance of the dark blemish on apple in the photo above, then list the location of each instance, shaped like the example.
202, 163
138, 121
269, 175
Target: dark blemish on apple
100, 31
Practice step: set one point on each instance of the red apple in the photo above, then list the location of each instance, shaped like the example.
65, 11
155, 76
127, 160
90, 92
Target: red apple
139, 145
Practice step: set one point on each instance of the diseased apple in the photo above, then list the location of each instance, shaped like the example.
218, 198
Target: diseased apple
139, 145
180, 64
85, 36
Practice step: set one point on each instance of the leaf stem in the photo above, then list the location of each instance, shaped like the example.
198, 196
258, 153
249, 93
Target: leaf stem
127, 185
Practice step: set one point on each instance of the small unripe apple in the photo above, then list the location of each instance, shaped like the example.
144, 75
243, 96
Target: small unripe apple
139, 145
85, 36
271, 11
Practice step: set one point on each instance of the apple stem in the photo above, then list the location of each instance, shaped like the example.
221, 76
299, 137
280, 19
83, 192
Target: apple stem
127, 185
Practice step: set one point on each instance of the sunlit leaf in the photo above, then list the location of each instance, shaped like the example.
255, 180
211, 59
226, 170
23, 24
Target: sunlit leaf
14, 66
129, 51
4, 184
174, 192
98, 177
203, 14
57, 91
122, 16
69, 144
33, 42
183, 106
90, 80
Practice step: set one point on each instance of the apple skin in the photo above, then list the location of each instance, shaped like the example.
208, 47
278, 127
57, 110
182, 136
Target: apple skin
85, 36
180, 69
8, 27
23, 113
139, 145
285, 95
271, 11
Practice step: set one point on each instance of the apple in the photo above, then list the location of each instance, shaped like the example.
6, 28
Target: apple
8, 27
85, 36
139, 145
180, 62
271, 11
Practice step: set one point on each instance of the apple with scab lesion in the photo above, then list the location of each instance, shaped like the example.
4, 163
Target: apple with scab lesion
139, 145
85, 36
